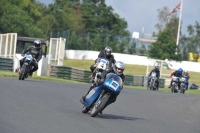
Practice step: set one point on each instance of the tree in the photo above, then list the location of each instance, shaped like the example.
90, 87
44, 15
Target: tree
162, 17
46, 24
164, 22
14, 19
102, 23
191, 43
142, 50
132, 47
164, 48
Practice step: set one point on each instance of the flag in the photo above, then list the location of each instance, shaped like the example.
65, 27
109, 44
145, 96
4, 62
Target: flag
177, 8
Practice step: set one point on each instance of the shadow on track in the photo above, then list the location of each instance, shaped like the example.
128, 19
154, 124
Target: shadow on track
111, 116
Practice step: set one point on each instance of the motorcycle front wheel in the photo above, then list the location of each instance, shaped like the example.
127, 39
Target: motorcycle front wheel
98, 107
22, 73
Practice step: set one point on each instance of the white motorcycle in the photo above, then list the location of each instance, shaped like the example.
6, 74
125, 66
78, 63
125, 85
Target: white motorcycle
101, 65
153, 81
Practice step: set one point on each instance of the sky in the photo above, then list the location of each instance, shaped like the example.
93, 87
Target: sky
141, 14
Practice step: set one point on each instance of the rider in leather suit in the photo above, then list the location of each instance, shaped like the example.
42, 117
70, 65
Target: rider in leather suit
36, 52
157, 71
107, 55
118, 68
177, 73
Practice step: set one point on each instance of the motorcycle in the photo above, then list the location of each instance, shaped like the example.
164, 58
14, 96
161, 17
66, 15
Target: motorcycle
183, 86
99, 97
175, 84
102, 64
153, 83
26, 67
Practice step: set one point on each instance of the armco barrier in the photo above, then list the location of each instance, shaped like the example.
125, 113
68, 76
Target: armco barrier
6, 64
70, 73
81, 75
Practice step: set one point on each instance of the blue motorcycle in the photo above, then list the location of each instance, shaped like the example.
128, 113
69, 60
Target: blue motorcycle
99, 97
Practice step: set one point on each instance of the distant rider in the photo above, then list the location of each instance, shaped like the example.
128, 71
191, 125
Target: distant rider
36, 52
177, 73
107, 54
187, 76
157, 71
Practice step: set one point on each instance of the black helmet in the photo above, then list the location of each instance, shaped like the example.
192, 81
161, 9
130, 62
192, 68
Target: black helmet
119, 67
37, 44
156, 68
108, 51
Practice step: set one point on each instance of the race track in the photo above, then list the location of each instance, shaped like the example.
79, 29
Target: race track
35, 106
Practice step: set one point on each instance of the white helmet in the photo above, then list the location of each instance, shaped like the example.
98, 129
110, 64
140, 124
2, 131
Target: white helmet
119, 66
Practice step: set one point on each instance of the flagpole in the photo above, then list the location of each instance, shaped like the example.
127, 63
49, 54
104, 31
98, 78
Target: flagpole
179, 25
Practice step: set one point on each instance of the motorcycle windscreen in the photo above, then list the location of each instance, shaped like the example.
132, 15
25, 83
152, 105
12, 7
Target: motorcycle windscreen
183, 80
113, 83
92, 95
153, 74
29, 57
175, 79
103, 61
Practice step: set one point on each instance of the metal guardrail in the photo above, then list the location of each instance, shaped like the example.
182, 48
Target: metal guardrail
6, 64
81, 75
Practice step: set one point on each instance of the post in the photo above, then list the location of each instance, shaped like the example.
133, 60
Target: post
50, 54
179, 25
15, 44
161, 68
59, 48
11, 45
6, 47
56, 54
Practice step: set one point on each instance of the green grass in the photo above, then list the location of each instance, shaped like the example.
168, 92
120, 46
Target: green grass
130, 69
11, 74
193, 92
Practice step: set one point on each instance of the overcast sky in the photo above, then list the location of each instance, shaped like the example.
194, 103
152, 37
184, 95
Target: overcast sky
143, 13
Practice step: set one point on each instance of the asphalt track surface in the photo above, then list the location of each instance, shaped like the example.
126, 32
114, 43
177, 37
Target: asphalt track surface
35, 106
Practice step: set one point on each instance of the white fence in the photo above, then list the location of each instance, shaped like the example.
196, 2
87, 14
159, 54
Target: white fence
56, 51
131, 59
8, 45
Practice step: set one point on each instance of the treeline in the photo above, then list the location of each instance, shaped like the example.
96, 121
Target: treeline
165, 47
91, 24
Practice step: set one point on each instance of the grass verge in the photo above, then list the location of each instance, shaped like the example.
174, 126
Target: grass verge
11, 74
130, 69
193, 92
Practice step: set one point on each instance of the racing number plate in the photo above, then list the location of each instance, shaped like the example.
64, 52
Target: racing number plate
114, 85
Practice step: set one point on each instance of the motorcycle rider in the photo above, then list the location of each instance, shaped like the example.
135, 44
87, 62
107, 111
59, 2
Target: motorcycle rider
187, 76
107, 54
36, 52
118, 68
157, 71
177, 73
